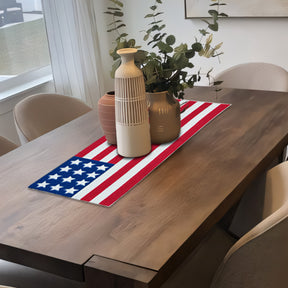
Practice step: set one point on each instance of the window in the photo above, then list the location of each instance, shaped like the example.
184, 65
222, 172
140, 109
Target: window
23, 41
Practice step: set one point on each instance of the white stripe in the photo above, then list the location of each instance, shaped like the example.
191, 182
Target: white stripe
132, 172
118, 183
110, 156
96, 150
121, 163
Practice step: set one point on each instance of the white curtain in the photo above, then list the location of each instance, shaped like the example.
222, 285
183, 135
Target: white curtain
73, 42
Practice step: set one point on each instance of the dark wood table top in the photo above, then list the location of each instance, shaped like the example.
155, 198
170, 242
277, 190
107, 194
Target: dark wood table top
147, 232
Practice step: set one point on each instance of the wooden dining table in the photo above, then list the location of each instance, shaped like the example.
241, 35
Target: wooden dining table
143, 238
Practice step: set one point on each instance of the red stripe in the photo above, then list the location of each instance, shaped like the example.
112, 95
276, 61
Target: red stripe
160, 158
116, 159
91, 147
104, 153
96, 191
194, 113
186, 105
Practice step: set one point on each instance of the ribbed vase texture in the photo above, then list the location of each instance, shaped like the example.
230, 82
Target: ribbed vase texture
164, 115
132, 119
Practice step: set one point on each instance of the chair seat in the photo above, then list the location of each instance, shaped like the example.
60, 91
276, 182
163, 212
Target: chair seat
199, 267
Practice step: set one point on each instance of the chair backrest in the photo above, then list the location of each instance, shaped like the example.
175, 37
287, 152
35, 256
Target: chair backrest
6, 146
260, 76
41, 113
260, 257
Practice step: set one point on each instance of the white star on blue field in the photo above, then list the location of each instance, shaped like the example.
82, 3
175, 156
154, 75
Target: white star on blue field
72, 176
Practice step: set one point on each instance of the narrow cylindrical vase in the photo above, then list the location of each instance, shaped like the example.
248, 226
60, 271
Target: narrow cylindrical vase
132, 118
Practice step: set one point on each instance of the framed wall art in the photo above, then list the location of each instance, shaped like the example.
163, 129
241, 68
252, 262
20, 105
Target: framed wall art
238, 8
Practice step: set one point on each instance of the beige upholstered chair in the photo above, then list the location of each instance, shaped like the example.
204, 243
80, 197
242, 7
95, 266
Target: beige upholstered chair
41, 113
260, 76
260, 258
6, 146
257, 259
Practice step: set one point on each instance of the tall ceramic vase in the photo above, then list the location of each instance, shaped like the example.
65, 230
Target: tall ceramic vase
132, 119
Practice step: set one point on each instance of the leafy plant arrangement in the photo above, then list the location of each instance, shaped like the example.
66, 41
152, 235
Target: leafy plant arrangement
166, 66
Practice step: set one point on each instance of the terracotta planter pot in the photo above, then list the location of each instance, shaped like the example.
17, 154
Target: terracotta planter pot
164, 116
106, 112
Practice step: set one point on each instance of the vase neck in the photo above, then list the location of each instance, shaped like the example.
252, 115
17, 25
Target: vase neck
158, 95
127, 59
127, 55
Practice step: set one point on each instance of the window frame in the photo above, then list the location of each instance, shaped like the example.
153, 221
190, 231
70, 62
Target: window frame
25, 81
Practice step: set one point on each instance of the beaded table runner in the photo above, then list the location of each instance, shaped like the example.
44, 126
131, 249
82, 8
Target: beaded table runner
100, 176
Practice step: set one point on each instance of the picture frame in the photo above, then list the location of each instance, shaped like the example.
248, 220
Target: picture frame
236, 8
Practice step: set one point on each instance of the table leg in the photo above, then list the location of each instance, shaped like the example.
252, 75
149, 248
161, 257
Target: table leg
107, 273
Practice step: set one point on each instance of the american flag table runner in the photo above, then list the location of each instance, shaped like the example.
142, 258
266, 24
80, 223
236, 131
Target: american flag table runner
100, 176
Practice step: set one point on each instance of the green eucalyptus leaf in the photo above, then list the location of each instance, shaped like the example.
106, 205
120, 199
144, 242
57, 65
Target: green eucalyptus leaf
156, 22
115, 22
140, 56
190, 54
203, 32
182, 63
164, 48
120, 26
122, 35
182, 48
110, 30
145, 38
114, 8
167, 73
131, 43
109, 12
197, 46
117, 2
115, 13
170, 40
213, 27
155, 27
213, 12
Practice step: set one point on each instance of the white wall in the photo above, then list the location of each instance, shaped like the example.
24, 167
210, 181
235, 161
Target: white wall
245, 40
